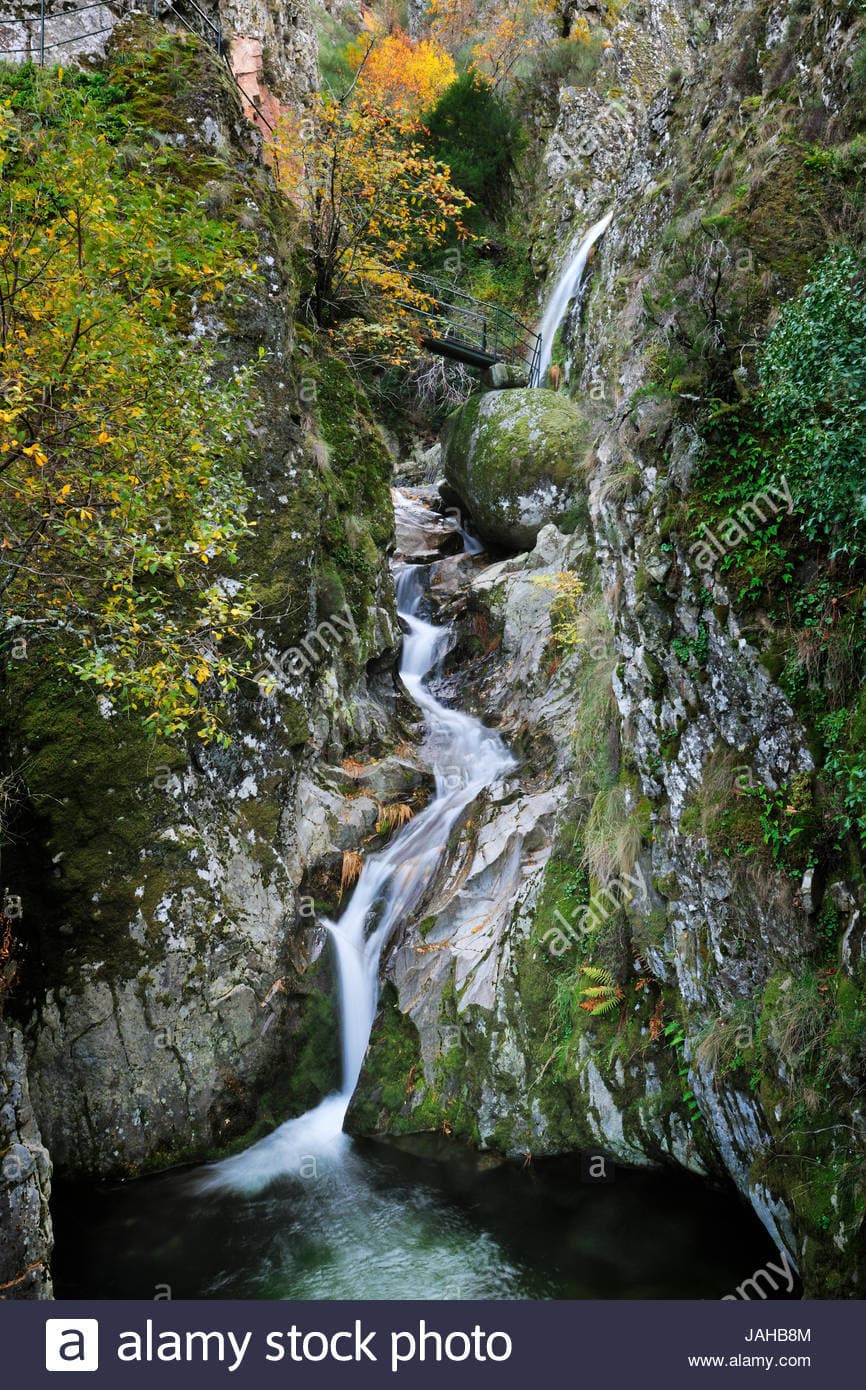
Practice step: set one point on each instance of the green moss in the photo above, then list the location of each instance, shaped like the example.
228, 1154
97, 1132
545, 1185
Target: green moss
565, 891
502, 446
167, 77
392, 1095
788, 215
96, 802
315, 1068
668, 885
656, 672
353, 482
650, 929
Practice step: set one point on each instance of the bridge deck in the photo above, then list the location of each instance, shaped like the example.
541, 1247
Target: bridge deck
455, 325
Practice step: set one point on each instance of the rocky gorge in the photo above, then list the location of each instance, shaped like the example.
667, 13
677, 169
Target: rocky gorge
646, 940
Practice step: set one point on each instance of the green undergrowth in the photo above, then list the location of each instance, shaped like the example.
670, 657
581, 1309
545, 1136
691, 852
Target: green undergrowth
88, 856
91, 808
763, 301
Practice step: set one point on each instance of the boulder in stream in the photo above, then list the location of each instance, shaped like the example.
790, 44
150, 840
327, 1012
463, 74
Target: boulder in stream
512, 457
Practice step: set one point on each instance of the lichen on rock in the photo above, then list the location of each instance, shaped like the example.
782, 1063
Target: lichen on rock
513, 457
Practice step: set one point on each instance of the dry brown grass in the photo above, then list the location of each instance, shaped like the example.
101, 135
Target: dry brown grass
619, 481
353, 863
612, 835
393, 817
7, 967
718, 787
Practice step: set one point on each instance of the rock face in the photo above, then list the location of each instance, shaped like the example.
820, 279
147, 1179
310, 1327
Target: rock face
723, 941
25, 1181
512, 457
711, 731
283, 31
250, 29
467, 1038
173, 991
597, 121
612, 955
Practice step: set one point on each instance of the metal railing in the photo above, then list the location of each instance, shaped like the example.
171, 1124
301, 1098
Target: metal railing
46, 15
198, 23
188, 13
460, 326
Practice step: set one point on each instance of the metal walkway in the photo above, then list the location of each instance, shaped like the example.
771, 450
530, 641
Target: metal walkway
455, 325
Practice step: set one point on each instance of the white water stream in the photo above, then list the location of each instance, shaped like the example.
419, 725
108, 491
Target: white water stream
308, 1213
465, 758
564, 291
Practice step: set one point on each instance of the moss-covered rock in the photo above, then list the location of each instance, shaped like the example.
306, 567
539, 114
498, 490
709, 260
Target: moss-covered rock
513, 459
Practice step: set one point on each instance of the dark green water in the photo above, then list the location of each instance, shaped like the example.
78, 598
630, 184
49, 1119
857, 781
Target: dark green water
379, 1222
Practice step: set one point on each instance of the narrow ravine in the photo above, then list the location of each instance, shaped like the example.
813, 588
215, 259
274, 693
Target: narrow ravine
465, 759
310, 1213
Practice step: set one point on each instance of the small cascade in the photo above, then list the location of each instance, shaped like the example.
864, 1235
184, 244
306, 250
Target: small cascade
309, 1213
465, 758
564, 291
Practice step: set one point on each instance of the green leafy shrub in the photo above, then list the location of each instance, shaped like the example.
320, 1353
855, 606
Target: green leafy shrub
845, 766
858, 69
121, 449
813, 373
473, 131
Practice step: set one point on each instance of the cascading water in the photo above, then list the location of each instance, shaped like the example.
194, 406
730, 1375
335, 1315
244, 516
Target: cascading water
309, 1213
564, 291
465, 758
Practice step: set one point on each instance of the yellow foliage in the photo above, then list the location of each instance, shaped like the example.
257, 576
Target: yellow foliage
500, 32
406, 74
372, 201
118, 467
566, 614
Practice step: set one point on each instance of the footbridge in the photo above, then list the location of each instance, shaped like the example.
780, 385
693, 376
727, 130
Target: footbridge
454, 324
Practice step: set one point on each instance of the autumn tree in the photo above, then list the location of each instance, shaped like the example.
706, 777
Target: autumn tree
373, 202
496, 33
120, 451
404, 74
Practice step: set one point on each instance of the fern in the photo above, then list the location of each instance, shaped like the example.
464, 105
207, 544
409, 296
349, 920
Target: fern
602, 995
675, 1034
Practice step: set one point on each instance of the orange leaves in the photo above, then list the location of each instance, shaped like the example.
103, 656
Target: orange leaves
655, 1023
503, 31
406, 74
350, 872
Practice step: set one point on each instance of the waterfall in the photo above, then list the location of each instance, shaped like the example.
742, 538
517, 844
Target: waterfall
564, 291
465, 758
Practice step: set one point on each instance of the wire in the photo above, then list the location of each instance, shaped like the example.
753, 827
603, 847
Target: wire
214, 39
76, 38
